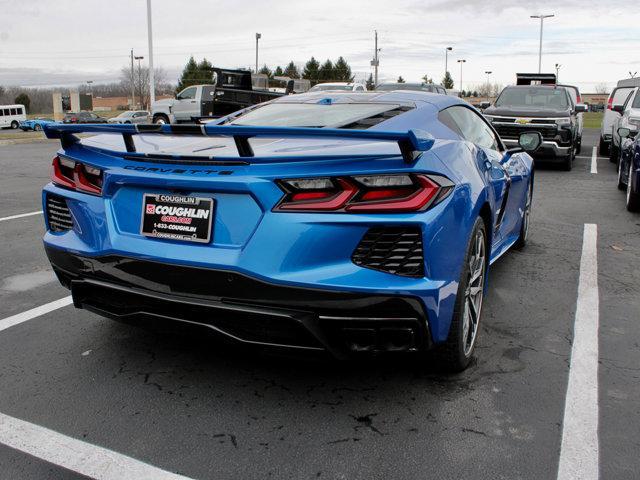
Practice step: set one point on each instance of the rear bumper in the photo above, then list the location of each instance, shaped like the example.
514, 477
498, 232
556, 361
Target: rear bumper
242, 308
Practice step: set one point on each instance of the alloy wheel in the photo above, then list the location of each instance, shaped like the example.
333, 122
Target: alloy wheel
474, 293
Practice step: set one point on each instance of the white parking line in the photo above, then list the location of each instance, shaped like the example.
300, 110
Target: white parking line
13, 217
594, 160
75, 455
579, 455
34, 312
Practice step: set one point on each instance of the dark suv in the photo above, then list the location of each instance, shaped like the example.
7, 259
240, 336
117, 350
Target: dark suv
83, 117
547, 109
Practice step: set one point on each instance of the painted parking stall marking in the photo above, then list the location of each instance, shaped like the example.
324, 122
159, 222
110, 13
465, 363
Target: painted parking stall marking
594, 160
21, 215
579, 451
34, 312
81, 457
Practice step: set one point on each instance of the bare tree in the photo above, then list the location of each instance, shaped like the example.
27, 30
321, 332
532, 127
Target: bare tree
141, 82
601, 88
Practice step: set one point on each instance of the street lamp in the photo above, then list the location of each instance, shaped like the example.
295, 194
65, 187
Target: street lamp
446, 59
258, 37
488, 72
461, 62
541, 17
557, 71
152, 81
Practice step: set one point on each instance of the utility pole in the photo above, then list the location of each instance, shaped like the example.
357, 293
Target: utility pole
461, 62
541, 17
558, 72
446, 59
152, 81
133, 85
375, 62
258, 37
140, 78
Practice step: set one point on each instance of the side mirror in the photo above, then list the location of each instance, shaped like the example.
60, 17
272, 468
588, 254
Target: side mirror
581, 108
530, 141
484, 105
624, 132
618, 108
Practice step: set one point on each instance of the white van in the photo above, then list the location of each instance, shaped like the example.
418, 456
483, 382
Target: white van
12, 115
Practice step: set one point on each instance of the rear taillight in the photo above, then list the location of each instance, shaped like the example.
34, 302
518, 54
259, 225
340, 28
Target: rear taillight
579, 99
77, 176
363, 194
610, 103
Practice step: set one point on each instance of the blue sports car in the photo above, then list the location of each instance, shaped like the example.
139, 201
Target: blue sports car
629, 168
342, 222
36, 124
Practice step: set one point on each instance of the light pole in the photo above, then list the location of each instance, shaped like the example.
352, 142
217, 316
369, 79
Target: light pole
258, 37
557, 72
446, 59
152, 81
488, 72
140, 77
133, 85
376, 61
541, 17
461, 62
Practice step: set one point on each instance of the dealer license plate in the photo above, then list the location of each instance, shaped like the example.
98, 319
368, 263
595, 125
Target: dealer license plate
177, 217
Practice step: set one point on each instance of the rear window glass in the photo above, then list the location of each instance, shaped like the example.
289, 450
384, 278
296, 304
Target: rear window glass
313, 115
533, 97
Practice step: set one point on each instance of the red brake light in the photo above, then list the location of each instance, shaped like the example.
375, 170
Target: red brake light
370, 194
76, 176
610, 103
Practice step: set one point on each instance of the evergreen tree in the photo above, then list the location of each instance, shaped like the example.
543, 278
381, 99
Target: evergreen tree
195, 74
447, 81
311, 70
326, 72
475, 94
426, 79
278, 72
342, 71
291, 71
370, 85
23, 99
266, 71
400, 79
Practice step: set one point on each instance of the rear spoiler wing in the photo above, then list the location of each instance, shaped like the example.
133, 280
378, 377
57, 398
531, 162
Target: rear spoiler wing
412, 143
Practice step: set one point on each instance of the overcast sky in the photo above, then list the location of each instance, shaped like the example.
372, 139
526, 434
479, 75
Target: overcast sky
71, 41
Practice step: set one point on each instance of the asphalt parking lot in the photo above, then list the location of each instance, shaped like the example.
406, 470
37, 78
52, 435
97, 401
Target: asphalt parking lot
192, 406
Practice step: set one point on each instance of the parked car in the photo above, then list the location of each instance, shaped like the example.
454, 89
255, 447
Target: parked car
547, 109
617, 97
629, 167
293, 243
574, 93
83, 117
339, 86
629, 117
419, 87
12, 115
132, 116
35, 124
231, 90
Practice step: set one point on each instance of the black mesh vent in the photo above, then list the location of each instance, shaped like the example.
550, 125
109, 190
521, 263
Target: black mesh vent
60, 219
396, 250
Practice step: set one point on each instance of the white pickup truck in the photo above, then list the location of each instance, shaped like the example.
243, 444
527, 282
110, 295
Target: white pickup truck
232, 91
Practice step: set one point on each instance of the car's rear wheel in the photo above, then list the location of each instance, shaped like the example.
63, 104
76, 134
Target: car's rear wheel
621, 184
578, 145
633, 198
613, 153
567, 163
603, 147
456, 353
37, 127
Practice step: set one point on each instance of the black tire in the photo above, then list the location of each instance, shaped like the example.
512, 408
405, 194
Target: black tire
37, 127
578, 145
603, 147
633, 196
613, 153
621, 185
524, 227
456, 353
567, 163
14, 125
160, 119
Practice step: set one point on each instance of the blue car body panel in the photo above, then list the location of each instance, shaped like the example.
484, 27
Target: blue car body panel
31, 124
308, 250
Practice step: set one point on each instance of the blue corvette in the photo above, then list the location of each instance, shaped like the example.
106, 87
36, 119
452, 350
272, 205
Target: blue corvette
36, 124
343, 222
629, 168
